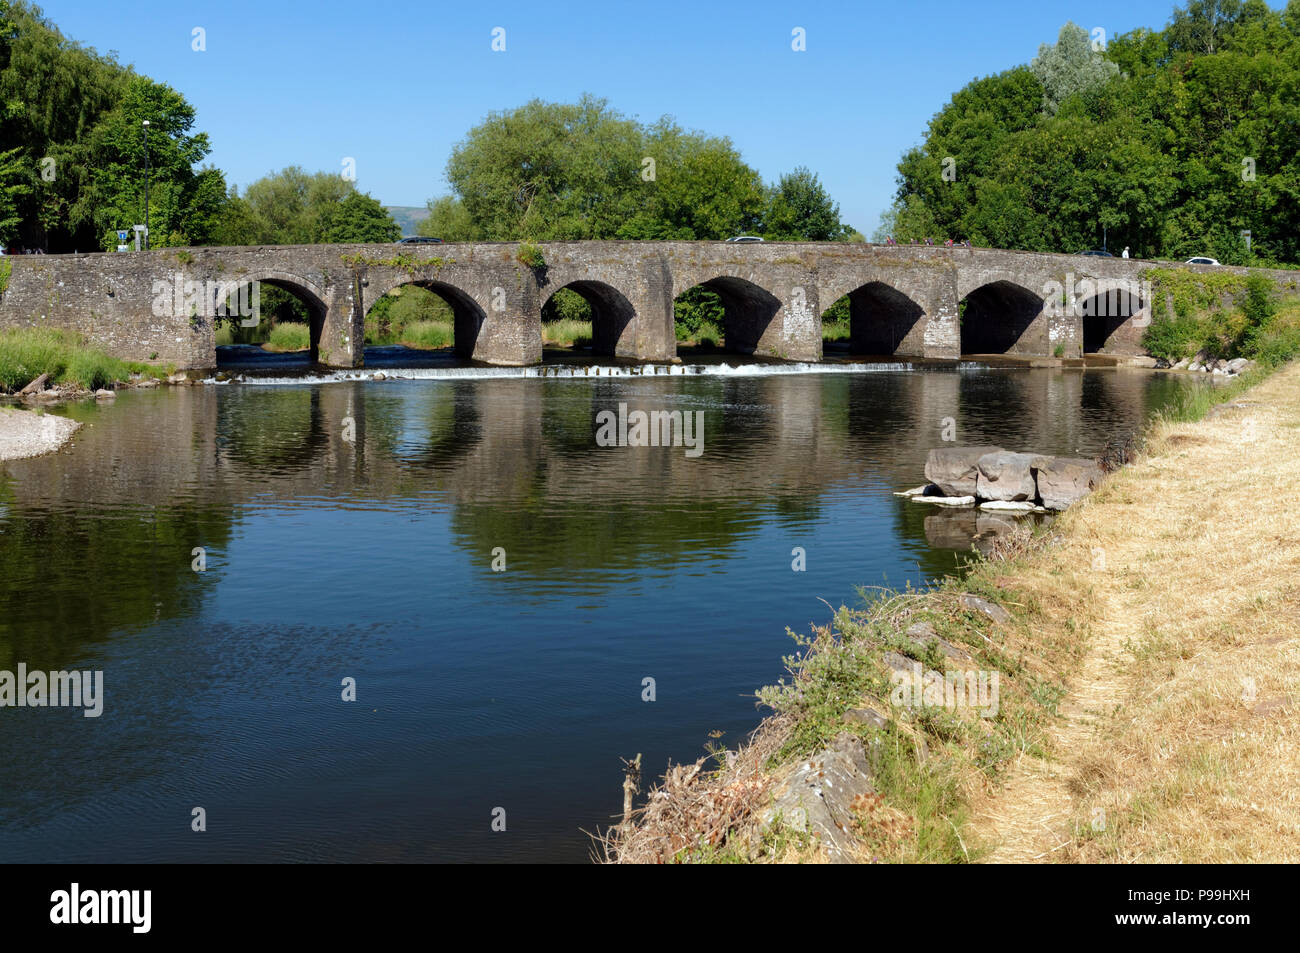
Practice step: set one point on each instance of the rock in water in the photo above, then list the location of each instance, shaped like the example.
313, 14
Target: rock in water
1008, 476
1067, 480
955, 469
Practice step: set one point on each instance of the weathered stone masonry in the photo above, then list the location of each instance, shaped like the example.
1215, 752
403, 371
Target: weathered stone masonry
907, 301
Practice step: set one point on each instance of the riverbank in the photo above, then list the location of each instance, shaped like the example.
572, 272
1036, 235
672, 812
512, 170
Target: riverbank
63, 363
1137, 704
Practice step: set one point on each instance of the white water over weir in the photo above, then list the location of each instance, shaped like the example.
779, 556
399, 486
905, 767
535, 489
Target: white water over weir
578, 371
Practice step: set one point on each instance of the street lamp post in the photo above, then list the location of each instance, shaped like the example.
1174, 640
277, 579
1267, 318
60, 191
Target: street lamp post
145, 126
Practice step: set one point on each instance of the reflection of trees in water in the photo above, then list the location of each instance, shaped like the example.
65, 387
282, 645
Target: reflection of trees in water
541, 537
70, 581
272, 429
450, 428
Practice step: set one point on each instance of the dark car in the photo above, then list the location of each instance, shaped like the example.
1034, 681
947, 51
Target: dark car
1097, 252
419, 240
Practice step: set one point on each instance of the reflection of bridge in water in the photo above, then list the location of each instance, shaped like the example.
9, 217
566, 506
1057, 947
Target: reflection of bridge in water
512, 463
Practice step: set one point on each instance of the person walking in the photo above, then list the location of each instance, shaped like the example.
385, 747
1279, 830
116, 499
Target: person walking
1124, 254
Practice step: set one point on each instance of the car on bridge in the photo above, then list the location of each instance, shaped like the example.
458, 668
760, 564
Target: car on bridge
419, 240
1097, 253
745, 239
1201, 260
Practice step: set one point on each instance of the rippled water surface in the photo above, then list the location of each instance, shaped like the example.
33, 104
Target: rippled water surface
371, 558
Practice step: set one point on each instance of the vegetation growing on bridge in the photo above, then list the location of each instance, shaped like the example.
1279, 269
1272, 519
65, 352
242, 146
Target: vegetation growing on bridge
1222, 314
406, 262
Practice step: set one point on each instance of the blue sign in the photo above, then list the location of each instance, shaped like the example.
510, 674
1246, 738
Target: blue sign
121, 235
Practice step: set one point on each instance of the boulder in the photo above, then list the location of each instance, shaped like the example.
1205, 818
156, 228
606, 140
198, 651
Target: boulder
990, 609
819, 796
35, 386
1067, 480
955, 469
1007, 476
924, 635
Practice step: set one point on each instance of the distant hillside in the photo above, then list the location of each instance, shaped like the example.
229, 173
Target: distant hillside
408, 217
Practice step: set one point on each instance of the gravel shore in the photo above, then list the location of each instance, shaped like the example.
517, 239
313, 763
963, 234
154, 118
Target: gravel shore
24, 433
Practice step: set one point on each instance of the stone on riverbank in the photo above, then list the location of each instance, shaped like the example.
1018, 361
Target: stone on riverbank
1007, 476
818, 797
1067, 480
955, 470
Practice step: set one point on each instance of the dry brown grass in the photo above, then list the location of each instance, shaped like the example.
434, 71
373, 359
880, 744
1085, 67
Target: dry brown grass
1179, 734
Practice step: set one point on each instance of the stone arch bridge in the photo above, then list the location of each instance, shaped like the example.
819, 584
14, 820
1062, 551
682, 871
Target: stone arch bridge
907, 301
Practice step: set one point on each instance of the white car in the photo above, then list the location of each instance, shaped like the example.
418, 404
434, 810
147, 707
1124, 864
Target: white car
1201, 261
745, 239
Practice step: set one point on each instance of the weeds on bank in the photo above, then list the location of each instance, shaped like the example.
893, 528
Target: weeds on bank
27, 353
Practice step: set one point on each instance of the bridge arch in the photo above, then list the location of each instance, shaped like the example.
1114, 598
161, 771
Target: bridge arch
307, 292
882, 320
1002, 317
748, 310
613, 317
1112, 317
467, 314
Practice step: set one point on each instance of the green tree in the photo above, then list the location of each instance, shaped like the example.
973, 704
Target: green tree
449, 220
1186, 137
358, 218
1070, 67
296, 207
12, 189
801, 209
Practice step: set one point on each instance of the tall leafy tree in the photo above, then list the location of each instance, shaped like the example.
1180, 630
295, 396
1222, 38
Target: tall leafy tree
296, 207
801, 209
1190, 137
1070, 68
358, 218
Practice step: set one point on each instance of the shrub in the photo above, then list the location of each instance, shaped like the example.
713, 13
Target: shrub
428, 335
530, 256
1172, 338
1259, 305
289, 336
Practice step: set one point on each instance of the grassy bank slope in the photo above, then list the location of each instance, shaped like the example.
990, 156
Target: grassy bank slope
26, 354
1177, 741
1146, 652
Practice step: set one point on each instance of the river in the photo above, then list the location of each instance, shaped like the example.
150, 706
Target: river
348, 530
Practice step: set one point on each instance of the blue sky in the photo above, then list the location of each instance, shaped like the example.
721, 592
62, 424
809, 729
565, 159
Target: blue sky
396, 85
